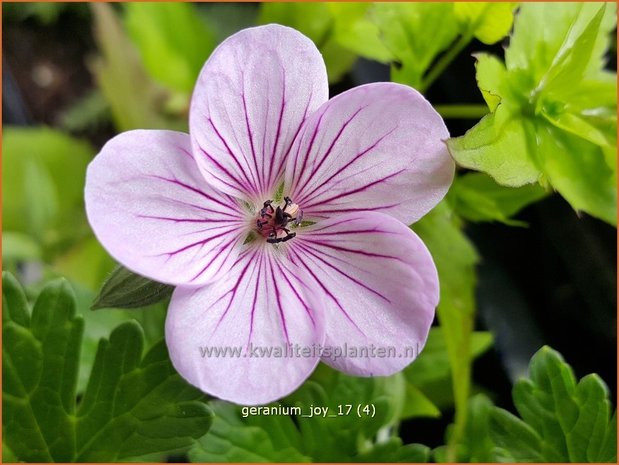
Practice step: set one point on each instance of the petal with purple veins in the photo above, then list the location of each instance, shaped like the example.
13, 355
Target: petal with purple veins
153, 211
261, 306
249, 102
381, 289
375, 147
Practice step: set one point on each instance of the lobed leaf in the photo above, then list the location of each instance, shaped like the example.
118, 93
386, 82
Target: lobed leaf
572, 418
561, 420
133, 405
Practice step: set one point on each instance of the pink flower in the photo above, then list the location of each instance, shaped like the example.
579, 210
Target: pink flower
334, 263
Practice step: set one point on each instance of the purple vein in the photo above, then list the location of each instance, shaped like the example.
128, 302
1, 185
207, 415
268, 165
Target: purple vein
188, 187
279, 305
354, 191
328, 152
230, 152
264, 139
314, 253
324, 288
305, 306
309, 149
235, 215
193, 244
341, 169
279, 130
186, 220
250, 135
246, 186
286, 152
233, 291
223, 248
255, 299
353, 251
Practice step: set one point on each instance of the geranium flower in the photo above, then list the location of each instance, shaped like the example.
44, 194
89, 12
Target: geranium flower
281, 218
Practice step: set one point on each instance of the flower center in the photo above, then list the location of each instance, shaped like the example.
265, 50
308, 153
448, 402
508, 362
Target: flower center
273, 223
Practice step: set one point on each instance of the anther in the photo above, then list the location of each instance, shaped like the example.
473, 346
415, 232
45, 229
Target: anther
273, 221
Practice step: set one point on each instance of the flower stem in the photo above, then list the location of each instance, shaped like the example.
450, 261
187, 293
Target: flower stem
472, 111
444, 61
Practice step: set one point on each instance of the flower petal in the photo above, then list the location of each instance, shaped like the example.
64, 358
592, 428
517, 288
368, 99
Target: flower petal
152, 210
381, 286
260, 307
375, 147
250, 100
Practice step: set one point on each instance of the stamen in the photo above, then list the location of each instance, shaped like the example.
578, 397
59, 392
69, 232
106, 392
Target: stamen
273, 222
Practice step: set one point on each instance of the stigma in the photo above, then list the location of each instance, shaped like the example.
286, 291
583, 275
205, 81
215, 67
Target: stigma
274, 223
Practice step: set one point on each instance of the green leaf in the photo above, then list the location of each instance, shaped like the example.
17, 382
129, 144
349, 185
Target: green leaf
487, 21
491, 75
172, 40
135, 100
499, 145
358, 408
100, 324
133, 405
433, 365
517, 440
415, 33
251, 439
393, 451
355, 30
574, 419
455, 259
571, 62
126, 289
7, 454
338, 438
316, 21
561, 420
554, 117
544, 31
18, 247
608, 449
585, 180
596, 125
477, 197
431, 372
477, 434
417, 404
43, 183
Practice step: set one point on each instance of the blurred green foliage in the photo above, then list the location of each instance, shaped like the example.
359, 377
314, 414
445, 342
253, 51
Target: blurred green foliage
42, 188
173, 59
411, 36
320, 23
